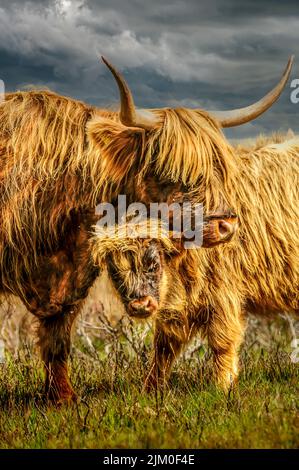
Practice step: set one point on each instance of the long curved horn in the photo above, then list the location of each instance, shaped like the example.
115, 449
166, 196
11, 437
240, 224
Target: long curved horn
129, 116
236, 117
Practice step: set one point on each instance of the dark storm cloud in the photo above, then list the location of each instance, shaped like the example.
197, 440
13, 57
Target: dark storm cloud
213, 53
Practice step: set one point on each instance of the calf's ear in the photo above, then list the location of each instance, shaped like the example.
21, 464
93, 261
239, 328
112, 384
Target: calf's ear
119, 147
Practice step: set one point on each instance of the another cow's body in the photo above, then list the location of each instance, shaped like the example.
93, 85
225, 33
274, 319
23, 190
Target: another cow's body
209, 290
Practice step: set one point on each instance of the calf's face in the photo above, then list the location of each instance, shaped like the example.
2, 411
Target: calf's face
139, 267
137, 275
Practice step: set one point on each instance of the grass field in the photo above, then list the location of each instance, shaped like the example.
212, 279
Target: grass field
262, 412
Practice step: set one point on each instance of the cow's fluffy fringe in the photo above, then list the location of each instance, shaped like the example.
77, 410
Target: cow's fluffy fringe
187, 147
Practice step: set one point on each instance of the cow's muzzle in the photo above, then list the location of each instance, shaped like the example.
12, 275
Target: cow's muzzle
219, 229
142, 307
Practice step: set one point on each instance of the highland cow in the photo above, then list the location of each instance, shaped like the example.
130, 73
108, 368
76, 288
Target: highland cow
210, 290
61, 157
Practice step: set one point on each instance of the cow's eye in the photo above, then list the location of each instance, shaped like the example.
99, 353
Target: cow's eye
153, 268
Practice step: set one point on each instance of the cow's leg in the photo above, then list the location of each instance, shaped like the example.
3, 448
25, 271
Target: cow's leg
54, 335
225, 333
170, 338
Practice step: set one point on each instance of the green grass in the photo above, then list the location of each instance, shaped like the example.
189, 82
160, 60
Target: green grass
262, 412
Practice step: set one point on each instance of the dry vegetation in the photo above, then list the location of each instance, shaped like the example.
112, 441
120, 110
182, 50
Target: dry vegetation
109, 360
17, 326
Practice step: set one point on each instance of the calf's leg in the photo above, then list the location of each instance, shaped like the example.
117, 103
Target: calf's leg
170, 338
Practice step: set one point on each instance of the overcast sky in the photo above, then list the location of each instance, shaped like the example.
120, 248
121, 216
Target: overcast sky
213, 54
